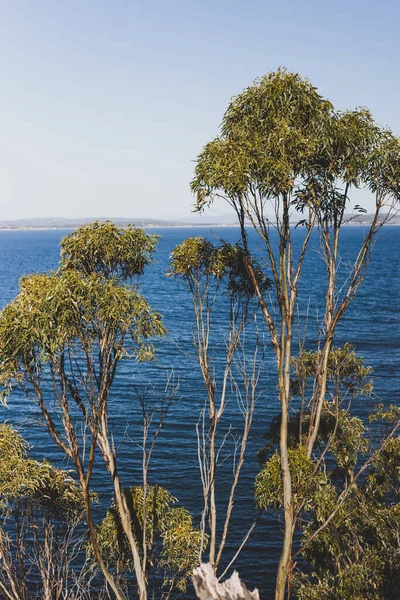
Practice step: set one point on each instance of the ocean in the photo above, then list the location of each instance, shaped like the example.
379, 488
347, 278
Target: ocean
372, 324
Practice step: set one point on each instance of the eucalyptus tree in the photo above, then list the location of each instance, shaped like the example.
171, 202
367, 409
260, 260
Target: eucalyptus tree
61, 342
284, 150
215, 276
346, 499
40, 509
172, 542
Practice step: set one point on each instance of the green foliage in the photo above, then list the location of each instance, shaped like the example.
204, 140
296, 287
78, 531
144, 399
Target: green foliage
270, 134
196, 258
349, 441
37, 483
279, 137
383, 480
357, 556
107, 249
172, 541
42, 528
192, 256
181, 545
389, 414
346, 372
383, 169
58, 310
345, 435
13, 447
307, 481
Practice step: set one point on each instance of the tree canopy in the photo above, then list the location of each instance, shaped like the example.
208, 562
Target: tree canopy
280, 136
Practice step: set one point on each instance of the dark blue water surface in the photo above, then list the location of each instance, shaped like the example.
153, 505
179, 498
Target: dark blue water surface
372, 324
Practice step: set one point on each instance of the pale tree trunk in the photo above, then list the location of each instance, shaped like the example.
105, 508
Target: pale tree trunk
93, 539
286, 300
123, 510
284, 567
286, 282
213, 506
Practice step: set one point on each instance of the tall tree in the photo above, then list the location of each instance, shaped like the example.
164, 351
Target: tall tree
285, 150
215, 275
61, 342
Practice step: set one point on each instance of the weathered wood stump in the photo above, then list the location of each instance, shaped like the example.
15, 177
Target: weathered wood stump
208, 587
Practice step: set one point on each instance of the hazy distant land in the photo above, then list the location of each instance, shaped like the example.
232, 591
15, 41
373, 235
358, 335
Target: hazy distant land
71, 223
195, 221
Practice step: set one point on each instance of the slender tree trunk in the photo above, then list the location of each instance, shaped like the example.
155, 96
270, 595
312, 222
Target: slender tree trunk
322, 368
321, 383
124, 512
125, 515
284, 567
93, 539
287, 301
213, 506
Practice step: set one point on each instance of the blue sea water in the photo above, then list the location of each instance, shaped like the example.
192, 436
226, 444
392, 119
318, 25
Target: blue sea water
372, 324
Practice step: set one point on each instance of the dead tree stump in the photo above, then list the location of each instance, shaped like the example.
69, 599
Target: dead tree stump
208, 587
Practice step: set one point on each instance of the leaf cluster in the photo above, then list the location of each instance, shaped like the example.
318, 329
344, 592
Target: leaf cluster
270, 133
308, 482
196, 259
356, 556
172, 541
346, 371
109, 250
36, 483
342, 436
281, 138
71, 308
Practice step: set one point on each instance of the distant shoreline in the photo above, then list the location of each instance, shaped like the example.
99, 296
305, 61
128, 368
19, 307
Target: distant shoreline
147, 226
156, 226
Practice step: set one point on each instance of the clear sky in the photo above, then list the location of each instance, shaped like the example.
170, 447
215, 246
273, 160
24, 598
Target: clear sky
105, 104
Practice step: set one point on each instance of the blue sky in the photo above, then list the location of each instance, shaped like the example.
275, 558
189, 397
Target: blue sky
106, 104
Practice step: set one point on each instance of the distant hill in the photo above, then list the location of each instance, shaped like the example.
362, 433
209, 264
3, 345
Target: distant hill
194, 221
65, 223
366, 219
